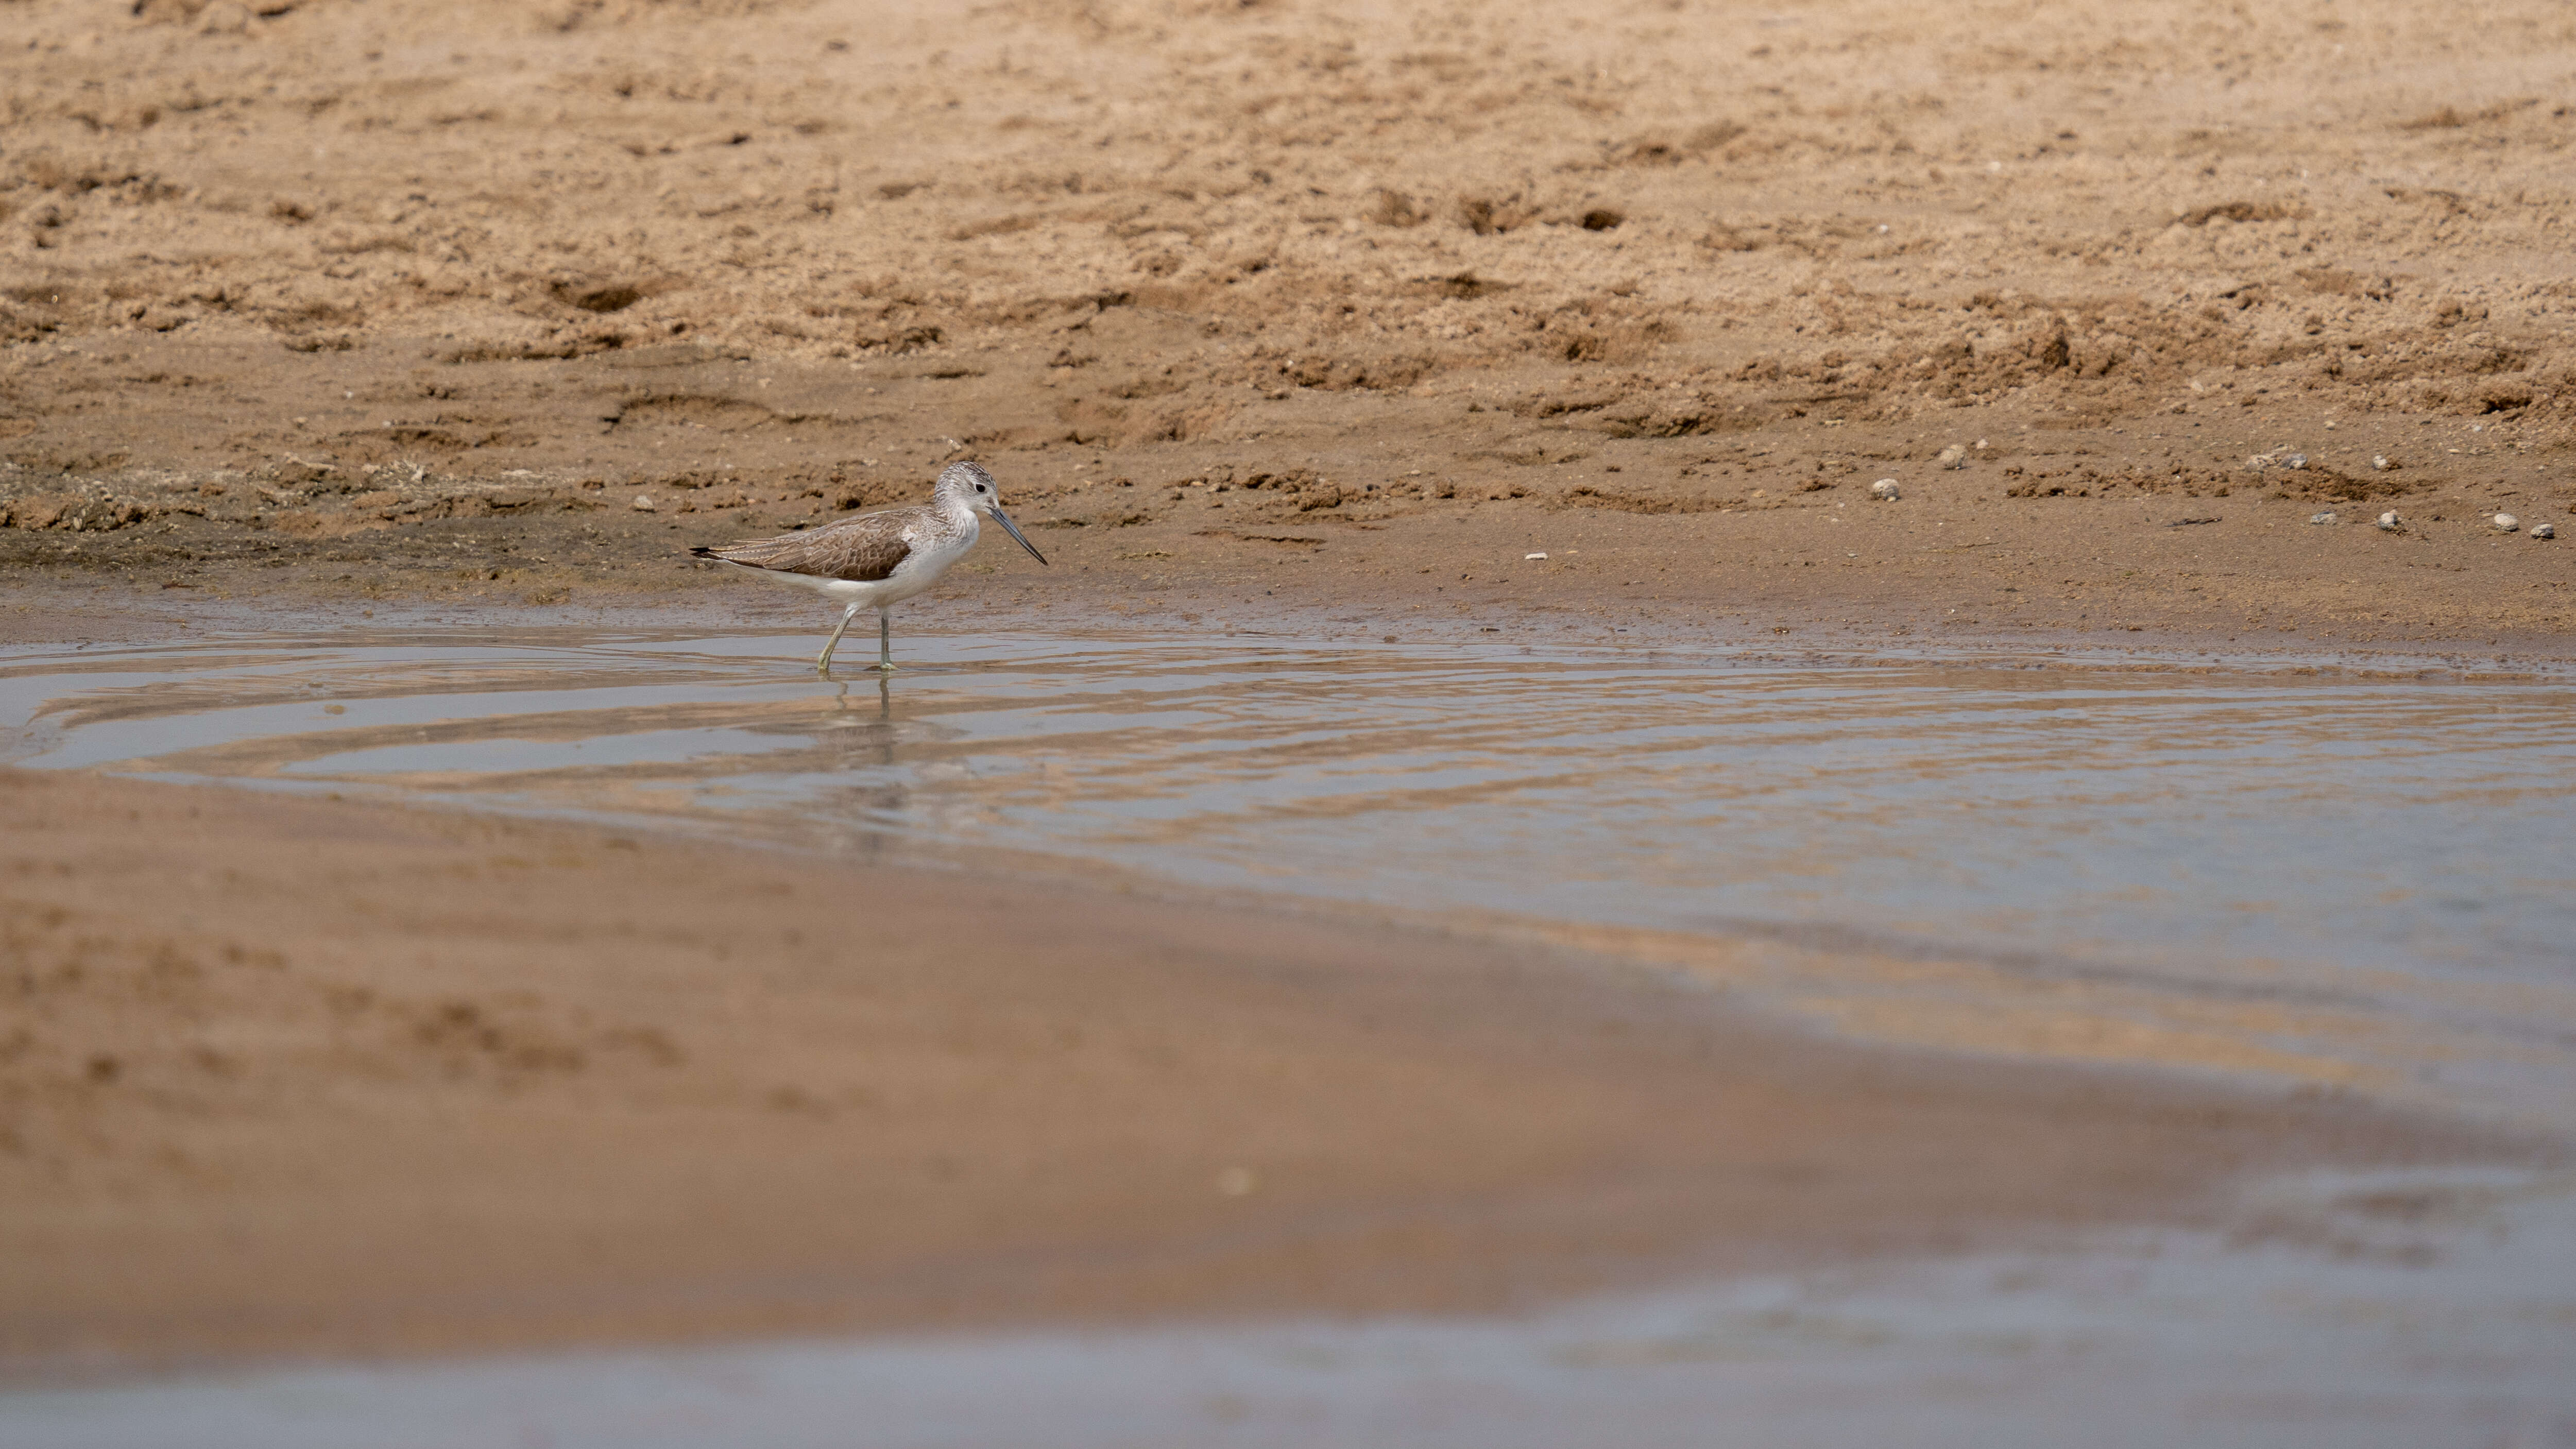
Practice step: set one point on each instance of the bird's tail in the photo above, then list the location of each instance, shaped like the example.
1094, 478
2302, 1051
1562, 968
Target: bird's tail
704, 552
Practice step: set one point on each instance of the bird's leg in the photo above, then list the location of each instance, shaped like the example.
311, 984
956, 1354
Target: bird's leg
823, 661
885, 641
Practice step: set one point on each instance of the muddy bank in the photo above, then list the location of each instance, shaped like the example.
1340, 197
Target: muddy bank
1353, 304
296, 1076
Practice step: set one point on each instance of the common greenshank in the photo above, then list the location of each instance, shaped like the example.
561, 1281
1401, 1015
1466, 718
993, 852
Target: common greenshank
879, 559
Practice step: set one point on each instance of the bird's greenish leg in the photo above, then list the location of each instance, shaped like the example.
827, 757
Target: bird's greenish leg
885, 641
823, 661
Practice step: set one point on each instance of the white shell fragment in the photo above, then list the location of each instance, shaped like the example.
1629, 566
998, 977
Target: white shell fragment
2505, 522
1529, 556
643, 503
2391, 522
2323, 518
1952, 456
2544, 530
1885, 490
2380, 462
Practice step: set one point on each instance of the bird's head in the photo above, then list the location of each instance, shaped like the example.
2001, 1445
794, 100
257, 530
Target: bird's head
969, 485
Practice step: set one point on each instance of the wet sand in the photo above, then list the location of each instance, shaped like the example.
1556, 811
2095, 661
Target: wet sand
299, 1077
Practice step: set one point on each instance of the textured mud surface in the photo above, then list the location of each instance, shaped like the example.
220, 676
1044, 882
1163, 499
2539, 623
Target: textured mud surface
422, 299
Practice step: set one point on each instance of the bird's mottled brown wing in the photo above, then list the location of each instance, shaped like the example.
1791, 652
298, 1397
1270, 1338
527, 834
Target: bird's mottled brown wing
863, 550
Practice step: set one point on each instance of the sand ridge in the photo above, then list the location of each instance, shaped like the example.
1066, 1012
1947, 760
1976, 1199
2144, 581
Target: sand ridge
295, 1076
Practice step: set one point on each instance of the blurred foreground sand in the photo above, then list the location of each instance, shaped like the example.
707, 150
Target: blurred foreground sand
296, 1077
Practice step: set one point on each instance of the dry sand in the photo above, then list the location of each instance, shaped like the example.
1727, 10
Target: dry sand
1333, 305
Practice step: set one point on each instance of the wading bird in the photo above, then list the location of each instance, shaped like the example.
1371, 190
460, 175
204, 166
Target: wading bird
877, 560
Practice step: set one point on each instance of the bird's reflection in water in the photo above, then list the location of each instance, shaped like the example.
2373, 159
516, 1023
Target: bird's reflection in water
850, 713
853, 737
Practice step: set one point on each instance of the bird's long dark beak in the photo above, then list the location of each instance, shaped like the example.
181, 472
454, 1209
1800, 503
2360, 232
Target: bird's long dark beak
1013, 530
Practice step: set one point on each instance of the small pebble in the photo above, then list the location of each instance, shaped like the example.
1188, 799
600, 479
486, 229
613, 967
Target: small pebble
2322, 518
1952, 456
2544, 530
2505, 522
1885, 490
2380, 462
2392, 523
1528, 556
643, 503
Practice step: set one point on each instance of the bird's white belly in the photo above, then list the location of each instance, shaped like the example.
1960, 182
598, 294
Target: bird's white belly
930, 557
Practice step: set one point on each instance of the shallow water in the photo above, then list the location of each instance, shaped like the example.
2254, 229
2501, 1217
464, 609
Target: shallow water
2319, 876
2346, 880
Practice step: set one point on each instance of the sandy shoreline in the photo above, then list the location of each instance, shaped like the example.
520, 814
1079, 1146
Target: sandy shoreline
1174, 530
1356, 306
1332, 315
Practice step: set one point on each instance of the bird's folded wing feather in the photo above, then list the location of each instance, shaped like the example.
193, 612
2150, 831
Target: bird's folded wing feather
855, 551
